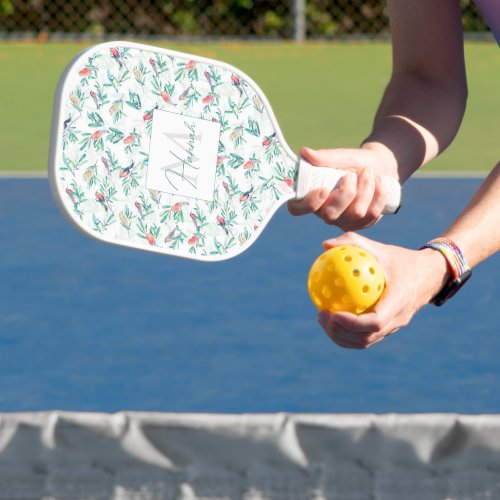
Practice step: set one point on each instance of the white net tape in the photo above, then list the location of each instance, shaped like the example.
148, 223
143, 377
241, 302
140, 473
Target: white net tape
154, 456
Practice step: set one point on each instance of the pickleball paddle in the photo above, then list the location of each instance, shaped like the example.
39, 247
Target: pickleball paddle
172, 153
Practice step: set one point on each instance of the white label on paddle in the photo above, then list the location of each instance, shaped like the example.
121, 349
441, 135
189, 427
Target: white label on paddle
183, 155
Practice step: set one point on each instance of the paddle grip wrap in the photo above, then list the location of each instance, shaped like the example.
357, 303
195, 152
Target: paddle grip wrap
312, 177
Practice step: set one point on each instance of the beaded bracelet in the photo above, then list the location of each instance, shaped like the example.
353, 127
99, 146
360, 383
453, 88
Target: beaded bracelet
451, 253
459, 267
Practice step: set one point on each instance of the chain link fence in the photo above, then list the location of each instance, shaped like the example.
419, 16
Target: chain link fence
284, 19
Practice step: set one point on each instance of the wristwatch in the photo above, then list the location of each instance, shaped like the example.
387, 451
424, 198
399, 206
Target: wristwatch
460, 270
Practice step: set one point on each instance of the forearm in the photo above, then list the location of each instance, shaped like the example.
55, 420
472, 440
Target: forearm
416, 121
424, 103
477, 230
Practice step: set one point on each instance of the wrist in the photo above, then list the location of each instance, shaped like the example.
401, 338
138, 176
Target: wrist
457, 265
388, 165
437, 273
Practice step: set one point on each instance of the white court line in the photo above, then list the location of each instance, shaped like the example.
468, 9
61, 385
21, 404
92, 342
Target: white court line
457, 174
23, 175
453, 174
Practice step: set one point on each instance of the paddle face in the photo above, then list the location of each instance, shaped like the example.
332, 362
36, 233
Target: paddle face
166, 152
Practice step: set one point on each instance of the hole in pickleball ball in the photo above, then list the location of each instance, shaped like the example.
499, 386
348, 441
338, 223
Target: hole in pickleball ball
372, 270
379, 287
362, 254
356, 273
348, 258
339, 281
346, 299
317, 276
317, 301
327, 293
366, 289
330, 268
360, 309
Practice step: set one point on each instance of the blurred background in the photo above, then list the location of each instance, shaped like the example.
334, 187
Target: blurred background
284, 19
320, 62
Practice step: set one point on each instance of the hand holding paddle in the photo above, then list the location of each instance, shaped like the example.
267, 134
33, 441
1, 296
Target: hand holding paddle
359, 200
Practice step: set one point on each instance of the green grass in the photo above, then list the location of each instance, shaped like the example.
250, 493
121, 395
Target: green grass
324, 95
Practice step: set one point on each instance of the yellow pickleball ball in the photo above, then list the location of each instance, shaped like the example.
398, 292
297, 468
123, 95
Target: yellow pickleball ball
346, 278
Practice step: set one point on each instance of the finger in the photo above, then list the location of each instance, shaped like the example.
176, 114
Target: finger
362, 324
378, 250
354, 159
364, 195
374, 325
357, 224
339, 334
343, 343
348, 238
339, 199
356, 215
341, 339
354, 339
361, 340
374, 212
310, 203
379, 200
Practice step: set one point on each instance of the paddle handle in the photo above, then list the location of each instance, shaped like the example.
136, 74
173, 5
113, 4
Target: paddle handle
312, 177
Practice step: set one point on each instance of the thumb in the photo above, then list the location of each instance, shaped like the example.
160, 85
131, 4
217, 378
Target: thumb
353, 159
349, 238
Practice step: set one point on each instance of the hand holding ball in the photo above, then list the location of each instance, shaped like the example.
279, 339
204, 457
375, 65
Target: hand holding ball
346, 278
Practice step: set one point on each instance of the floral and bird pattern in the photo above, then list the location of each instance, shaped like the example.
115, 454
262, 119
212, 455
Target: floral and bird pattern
108, 110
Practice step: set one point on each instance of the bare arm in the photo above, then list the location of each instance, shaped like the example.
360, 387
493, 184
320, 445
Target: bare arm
477, 230
423, 105
418, 117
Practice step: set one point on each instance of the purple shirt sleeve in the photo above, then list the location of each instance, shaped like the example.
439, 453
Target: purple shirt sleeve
490, 9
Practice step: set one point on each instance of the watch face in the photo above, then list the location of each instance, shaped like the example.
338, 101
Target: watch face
451, 288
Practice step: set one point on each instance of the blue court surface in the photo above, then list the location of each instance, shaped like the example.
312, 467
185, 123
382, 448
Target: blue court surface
86, 326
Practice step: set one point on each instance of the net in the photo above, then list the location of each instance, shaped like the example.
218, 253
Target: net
158, 456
